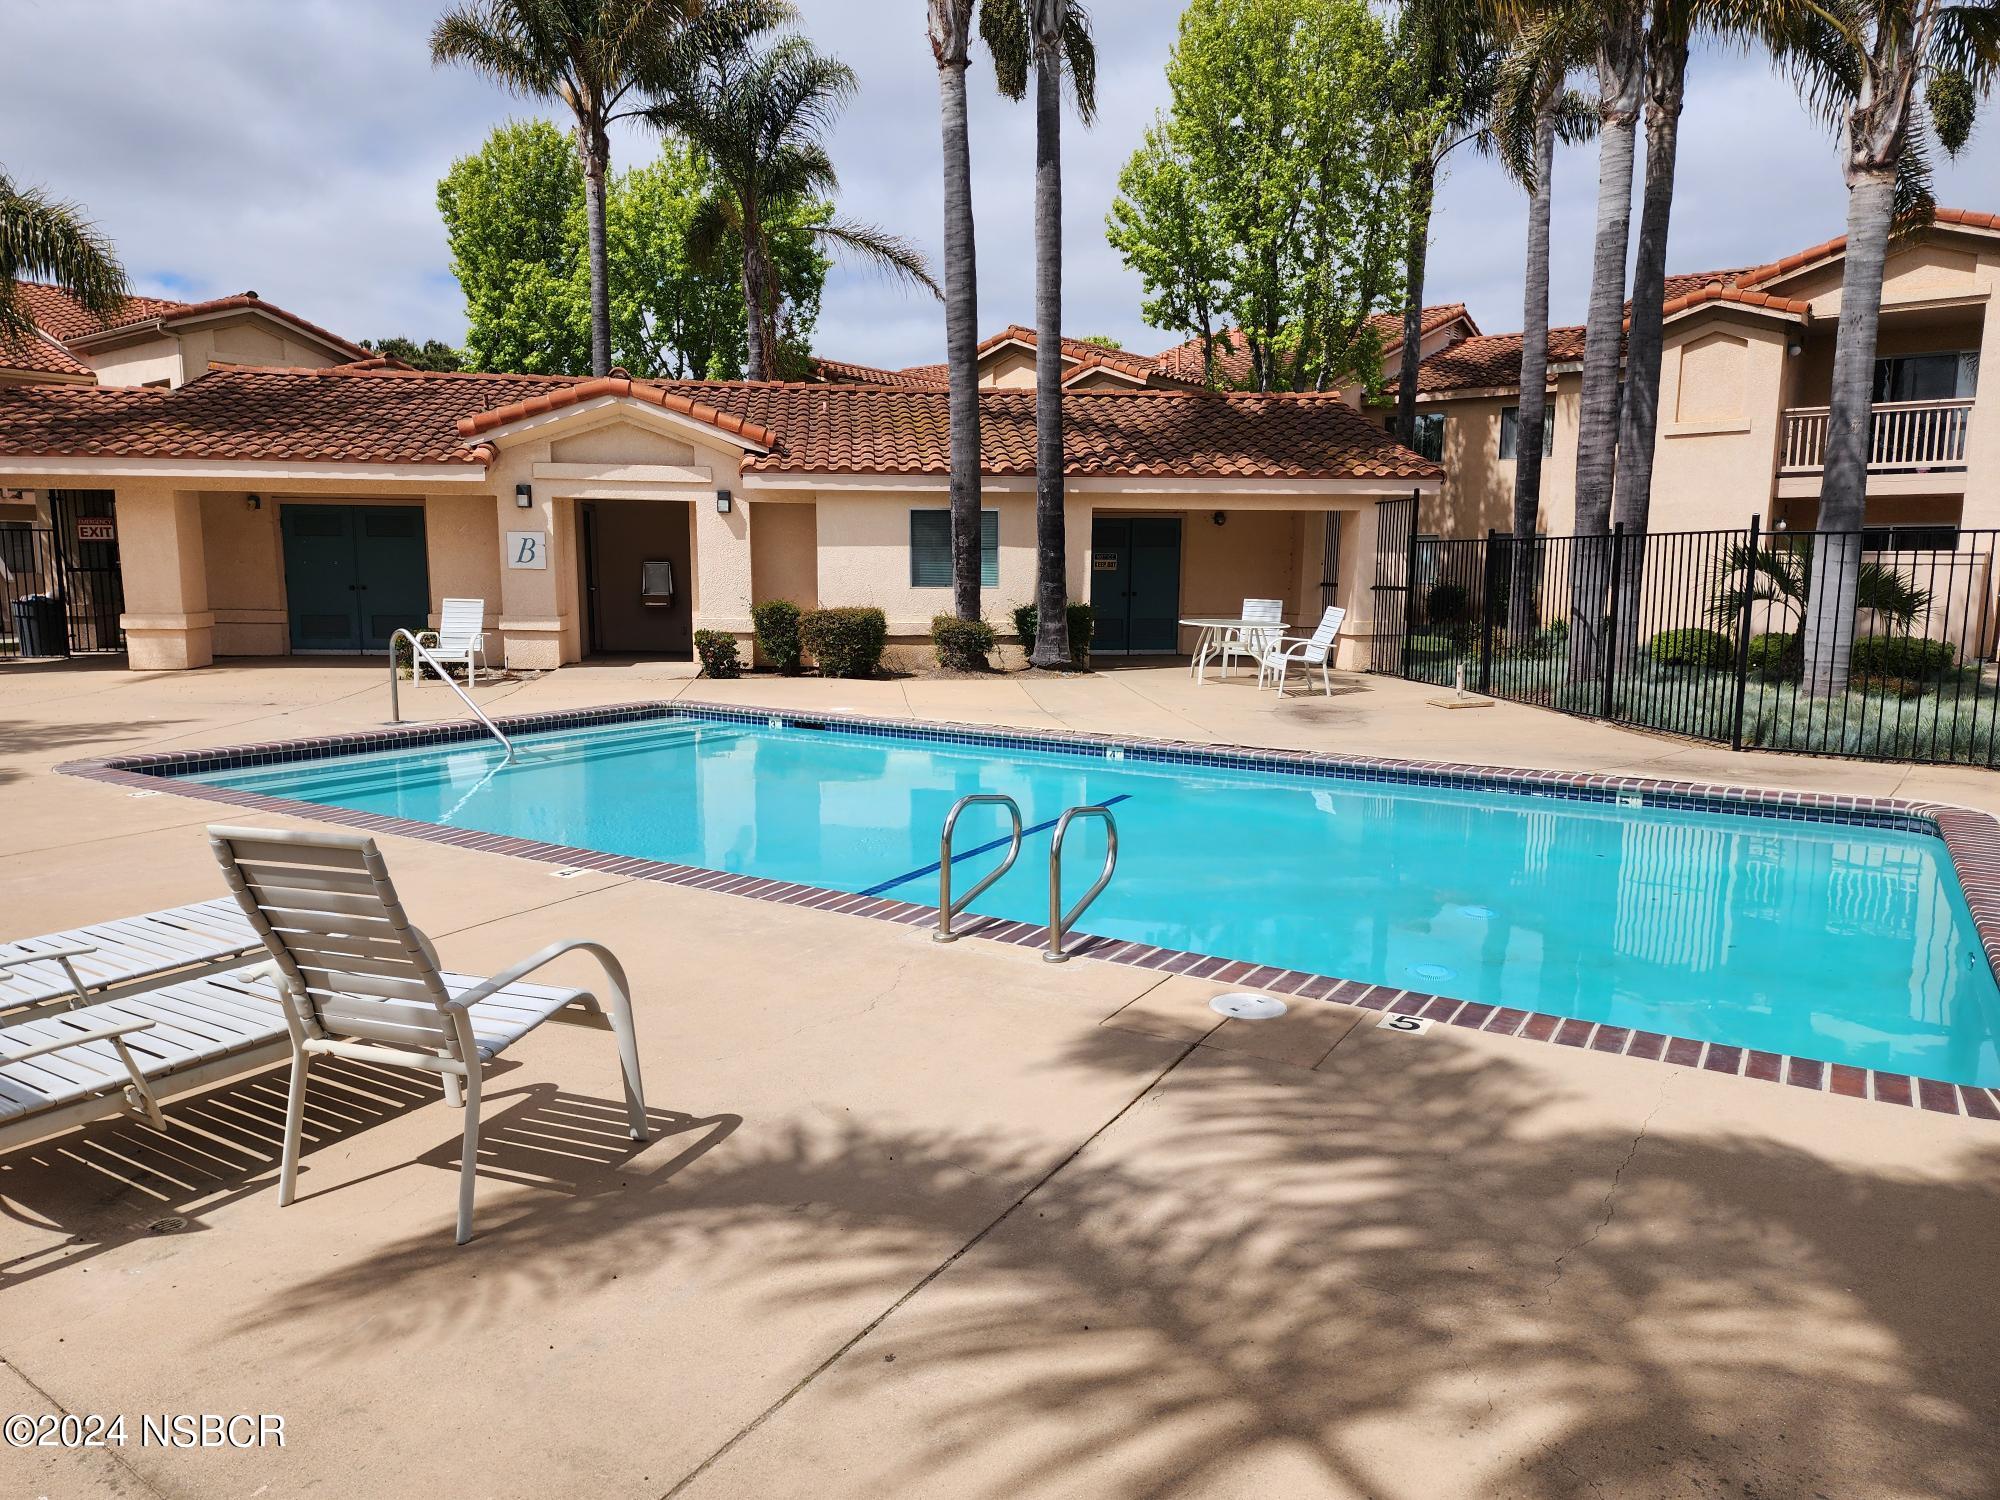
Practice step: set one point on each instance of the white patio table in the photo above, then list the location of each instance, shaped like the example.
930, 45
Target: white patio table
1216, 632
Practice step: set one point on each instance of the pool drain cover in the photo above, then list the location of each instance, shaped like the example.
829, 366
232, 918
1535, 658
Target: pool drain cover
1481, 913
1244, 1006
1430, 971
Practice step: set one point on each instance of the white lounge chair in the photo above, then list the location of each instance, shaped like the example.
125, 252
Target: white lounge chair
360, 981
1254, 640
66, 1067
1314, 650
461, 636
92, 963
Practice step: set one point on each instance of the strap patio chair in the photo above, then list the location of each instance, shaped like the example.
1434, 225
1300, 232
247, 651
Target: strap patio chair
1315, 650
1253, 640
87, 964
360, 981
461, 636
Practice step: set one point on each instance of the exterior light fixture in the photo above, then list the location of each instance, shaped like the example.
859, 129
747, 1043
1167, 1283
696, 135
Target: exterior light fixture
524, 495
1221, 518
1794, 347
253, 502
722, 502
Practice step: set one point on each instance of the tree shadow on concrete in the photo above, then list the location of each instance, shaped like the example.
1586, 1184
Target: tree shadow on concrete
25, 737
1400, 1283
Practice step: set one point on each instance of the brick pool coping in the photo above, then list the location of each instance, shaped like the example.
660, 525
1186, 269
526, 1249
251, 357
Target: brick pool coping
1971, 837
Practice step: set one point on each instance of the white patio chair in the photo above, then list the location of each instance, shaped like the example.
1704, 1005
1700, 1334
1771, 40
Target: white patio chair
1315, 650
1253, 641
87, 964
359, 981
461, 636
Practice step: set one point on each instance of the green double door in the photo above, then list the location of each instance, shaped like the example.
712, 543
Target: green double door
354, 575
1135, 584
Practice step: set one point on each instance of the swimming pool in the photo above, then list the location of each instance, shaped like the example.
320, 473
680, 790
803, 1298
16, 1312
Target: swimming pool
1846, 942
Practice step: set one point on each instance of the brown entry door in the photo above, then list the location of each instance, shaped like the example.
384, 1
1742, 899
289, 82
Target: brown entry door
638, 577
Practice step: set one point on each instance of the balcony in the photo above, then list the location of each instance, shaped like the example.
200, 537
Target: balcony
1907, 437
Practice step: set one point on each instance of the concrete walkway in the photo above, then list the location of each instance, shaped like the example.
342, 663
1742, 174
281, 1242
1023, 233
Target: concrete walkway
949, 1222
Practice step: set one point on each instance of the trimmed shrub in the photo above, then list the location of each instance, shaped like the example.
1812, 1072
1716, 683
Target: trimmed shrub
961, 644
717, 650
1888, 687
845, 642
1910, 657
1082, 626
1446, 603
1778, 658
777, 626
1691, 648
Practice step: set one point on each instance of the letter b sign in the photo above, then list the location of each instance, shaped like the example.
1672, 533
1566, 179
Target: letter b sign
527, 549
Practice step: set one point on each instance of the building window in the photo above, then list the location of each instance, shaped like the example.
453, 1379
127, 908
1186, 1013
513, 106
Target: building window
1510, 417
1951, 376
1932, 538
1429, 440
930, 549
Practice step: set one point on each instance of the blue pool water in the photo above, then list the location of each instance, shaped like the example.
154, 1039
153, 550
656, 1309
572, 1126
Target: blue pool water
1847, 944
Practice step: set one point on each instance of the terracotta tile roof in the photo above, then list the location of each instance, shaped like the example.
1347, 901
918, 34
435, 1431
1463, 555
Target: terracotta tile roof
65, 318
1715, 293
1072, 348
1184, 361
1958, 218
39, 354
935, 374
842, 372
397, 416
1693, 281
1492, 359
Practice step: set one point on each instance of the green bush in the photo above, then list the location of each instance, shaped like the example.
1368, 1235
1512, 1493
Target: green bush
845, 642
1082, 626
1778, 657
777, 626
1446, 603
961, 644
1910, 657
1691, 648
717, 650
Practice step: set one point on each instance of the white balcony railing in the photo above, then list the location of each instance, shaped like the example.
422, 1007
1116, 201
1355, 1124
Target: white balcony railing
1907, 435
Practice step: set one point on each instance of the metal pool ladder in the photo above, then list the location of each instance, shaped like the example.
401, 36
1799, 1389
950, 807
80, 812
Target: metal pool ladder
1060, 922
418, 657
947, 907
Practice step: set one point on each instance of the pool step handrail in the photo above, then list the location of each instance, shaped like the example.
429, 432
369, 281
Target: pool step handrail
1060, 922
419, 657
947, 907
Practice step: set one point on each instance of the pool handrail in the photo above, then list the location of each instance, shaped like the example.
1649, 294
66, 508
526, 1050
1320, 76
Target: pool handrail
947, 907
1060, 922
419, 655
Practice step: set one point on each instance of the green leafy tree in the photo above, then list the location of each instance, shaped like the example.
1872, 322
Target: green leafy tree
431, 354
45, 239
1271, 194
514, 216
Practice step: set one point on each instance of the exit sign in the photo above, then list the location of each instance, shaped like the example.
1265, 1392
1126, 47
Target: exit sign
96, 529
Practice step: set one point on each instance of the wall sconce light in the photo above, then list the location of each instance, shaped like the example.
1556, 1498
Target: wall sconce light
253, 502
524, 495
722, 502
1794, 348
1221, 518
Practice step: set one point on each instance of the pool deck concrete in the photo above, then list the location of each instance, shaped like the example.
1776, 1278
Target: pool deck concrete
949, 1221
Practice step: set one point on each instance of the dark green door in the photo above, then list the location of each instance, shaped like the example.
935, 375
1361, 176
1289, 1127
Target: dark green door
354, 575
1135, 583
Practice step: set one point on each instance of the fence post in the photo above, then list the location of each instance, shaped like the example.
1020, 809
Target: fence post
1743, 632
1487, 594
1610, 632
1409, 584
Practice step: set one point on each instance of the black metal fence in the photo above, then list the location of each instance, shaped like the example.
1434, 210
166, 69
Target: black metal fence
59, 596
1877, 644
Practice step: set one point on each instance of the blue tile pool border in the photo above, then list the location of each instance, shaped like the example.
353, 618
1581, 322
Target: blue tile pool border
1971, 837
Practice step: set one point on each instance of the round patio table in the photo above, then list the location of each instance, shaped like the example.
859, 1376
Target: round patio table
1216, 632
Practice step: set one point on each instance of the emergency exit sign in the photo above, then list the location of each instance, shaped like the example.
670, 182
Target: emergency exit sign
96, 529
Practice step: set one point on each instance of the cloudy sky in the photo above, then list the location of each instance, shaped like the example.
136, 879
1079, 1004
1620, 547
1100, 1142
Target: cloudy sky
294, 146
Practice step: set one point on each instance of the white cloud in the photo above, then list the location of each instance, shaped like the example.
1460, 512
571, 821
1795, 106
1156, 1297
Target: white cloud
295, 148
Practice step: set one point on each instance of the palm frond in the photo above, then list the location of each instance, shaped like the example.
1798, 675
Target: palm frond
505, 40
886, 251
45, 239
1079, 55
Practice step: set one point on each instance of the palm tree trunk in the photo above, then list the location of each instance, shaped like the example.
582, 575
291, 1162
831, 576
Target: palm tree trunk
1621, 74
1416, 254
1639, 420
1051, 551
596, 149
1843, 502
1532, 417
961, 335
753, 317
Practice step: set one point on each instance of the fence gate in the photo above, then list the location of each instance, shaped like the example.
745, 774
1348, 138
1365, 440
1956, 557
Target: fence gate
1395, 543
61, 591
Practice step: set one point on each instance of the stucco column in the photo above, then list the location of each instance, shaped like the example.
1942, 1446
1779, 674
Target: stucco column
1982, 433
722, 587
167, 622
1355, 647
531, 564
1077, 514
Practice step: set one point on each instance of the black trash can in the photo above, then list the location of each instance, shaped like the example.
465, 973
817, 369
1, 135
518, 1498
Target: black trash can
39, 626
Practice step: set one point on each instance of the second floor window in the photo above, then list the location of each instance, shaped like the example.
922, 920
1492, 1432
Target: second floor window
1429, 440
1949, 376
1510, 419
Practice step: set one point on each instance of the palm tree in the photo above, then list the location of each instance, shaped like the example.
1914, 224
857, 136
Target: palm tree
592, 55
758, 114
1533, 107
44, 239
1448, 56
1053, 38
951, 42
1872, 59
